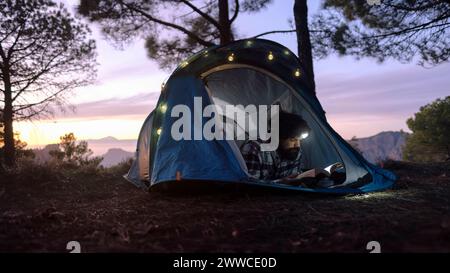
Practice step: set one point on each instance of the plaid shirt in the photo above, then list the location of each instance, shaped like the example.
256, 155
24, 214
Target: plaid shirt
268, 165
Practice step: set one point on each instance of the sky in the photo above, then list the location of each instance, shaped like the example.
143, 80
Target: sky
361, 97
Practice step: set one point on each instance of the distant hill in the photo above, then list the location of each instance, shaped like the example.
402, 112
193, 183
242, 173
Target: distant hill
113, 150
104, 139
102, 145
382, 146
115, 156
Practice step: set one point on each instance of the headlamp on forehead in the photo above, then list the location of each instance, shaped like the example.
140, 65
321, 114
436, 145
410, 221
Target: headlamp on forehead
293, 126
304, 135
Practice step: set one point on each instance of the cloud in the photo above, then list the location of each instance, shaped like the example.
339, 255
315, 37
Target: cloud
130, 70
366, 104
392, 93
129, 107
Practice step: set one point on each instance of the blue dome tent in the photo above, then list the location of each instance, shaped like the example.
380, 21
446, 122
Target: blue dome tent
244, 72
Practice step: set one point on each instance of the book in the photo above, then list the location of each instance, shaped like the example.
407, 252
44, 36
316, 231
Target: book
312, 176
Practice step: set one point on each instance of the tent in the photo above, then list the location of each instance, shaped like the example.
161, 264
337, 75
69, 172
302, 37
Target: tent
244, 72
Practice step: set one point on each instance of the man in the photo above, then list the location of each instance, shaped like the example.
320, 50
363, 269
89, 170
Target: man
287, 160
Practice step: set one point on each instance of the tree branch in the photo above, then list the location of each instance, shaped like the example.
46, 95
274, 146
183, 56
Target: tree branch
171, 25
24, 56
406, 30
37, 75
284, 31
10, 50
191, 12
236, 11
48, 99
2, 54
204, 15
20, 116
25, 47
274, 32
403, 7
7, 35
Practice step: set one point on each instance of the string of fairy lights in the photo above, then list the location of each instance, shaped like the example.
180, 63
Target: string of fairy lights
231, 57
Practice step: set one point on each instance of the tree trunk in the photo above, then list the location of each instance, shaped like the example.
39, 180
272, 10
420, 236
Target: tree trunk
9, 148
304, 41
224, 22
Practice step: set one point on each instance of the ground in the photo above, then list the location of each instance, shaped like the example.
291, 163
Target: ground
105, 213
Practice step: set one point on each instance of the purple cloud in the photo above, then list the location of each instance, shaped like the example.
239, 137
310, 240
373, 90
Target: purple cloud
134, 106
393, 93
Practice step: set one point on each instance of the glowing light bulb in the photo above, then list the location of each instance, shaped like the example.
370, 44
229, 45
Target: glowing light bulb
249, 43
184, 64
163, 108
270, 57
297, 73
159, 131
304, 135
162, 86
286, 52
231, 57
206, 54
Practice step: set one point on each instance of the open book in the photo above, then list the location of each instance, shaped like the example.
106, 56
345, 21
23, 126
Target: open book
311, 176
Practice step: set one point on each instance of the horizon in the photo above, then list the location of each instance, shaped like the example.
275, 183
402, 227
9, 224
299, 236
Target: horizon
116, 150
112, 138
361, 97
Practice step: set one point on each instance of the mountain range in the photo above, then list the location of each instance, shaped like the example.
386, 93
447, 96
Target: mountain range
382, 146
115, 156
113, 151
377, 148
101, 146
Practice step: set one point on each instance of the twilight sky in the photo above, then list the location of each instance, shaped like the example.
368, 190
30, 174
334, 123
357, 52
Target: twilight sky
361, 98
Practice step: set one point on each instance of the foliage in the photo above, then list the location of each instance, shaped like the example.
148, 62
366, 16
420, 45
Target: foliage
20, 146
120, 169
430, 140
171, 36
71, 153
396, 29
45, 52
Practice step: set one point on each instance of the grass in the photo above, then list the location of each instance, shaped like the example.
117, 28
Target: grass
42, 211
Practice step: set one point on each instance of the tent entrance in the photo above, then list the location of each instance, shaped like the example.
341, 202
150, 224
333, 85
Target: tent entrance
235, 84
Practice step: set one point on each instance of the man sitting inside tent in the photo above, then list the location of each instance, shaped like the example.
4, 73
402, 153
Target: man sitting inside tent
287, 160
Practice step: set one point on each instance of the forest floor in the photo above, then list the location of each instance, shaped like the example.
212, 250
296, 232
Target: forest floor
105, 213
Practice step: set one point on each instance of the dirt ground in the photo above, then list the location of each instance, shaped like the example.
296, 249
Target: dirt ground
105, 213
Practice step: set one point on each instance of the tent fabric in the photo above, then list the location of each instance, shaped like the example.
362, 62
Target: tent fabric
249, 79
140, 168
195, 159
